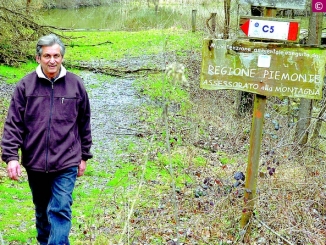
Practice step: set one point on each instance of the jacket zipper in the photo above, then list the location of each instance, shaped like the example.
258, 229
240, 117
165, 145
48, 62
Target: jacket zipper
48, 131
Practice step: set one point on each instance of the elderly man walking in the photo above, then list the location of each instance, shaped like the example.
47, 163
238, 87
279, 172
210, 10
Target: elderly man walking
49, 120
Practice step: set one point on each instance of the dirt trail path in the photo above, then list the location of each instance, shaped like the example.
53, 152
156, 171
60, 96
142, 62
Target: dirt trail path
115, 106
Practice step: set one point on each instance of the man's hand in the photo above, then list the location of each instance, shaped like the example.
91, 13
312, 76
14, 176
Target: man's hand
13, 169
81, 168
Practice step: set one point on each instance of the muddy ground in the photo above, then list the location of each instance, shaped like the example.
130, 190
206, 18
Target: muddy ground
114, 107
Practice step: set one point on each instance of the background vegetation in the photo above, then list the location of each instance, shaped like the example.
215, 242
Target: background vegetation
173, 181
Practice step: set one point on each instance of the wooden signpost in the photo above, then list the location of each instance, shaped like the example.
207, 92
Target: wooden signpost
265, 69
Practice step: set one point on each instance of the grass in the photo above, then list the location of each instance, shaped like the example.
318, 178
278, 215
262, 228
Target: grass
13, 74
150, 42
17, 212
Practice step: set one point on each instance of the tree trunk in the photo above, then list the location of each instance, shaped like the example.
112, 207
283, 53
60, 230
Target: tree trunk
305, 109
211, 25
226, 32
319, 122
28, 2
302, 132
244, 103
156, 3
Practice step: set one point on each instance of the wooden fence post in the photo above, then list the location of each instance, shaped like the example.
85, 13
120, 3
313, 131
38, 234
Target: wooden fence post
193, 20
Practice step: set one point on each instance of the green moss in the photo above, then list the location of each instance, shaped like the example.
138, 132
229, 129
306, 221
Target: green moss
117, 45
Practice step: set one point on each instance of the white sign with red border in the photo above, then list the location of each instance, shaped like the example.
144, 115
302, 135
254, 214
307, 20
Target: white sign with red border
271, 29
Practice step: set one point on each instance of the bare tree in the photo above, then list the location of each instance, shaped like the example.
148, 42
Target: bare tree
18, 26
305, 110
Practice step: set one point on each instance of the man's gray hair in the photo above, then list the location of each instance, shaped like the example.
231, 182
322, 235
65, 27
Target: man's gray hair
49, 40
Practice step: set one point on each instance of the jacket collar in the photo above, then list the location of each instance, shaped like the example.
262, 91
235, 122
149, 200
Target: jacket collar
40, 73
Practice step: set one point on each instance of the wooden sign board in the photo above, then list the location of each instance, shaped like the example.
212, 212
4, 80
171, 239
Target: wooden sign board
270, 28
269, 69
282, 4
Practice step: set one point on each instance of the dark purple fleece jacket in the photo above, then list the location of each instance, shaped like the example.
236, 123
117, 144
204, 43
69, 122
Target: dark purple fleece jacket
49, 121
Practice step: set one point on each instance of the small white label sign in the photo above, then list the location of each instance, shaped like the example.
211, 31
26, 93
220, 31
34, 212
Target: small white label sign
268, 29
264, 61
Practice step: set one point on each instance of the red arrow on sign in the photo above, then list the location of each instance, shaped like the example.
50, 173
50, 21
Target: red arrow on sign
245, 27
271, 29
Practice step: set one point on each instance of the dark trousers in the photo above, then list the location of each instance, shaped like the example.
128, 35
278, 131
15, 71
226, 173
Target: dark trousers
52, 197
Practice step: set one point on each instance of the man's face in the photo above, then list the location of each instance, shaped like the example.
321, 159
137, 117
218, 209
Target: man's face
50, 60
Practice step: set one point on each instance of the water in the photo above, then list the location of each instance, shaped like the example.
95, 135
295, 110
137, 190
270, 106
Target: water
127, 16
90, 17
